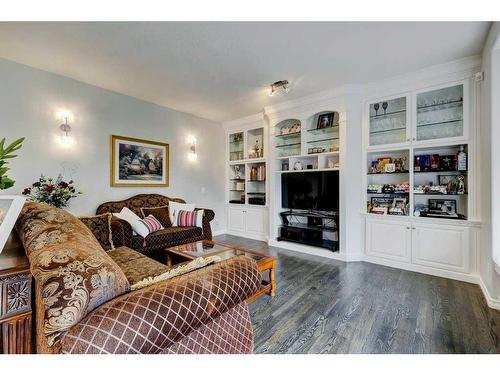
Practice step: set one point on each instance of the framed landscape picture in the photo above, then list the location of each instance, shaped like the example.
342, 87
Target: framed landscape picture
138, 162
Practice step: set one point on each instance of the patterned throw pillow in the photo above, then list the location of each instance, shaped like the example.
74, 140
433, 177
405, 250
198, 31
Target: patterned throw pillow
100, 226
189, 218
175, 207
151, 225
160, 213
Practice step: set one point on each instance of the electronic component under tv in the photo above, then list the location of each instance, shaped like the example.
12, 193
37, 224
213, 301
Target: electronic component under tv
310, 190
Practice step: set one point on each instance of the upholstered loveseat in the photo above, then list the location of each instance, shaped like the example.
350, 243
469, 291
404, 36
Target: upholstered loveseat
170, 236
84, 302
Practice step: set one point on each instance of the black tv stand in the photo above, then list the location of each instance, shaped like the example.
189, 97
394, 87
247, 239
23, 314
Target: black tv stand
313, 228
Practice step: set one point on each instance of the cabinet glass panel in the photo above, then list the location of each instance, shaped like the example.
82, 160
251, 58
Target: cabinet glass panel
236, 146
388, 122
440, 113
255, 141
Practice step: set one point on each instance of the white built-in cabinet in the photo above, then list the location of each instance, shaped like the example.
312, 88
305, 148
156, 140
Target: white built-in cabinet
246, 178
390, 239
433, 120
437, 246
441, 246
247, 222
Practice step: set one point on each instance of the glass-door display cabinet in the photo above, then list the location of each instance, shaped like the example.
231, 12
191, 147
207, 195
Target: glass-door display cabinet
236, 146
440, 113
255, 143
388, 122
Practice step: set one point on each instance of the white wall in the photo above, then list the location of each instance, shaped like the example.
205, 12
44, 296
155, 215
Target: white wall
29, 99
490, 162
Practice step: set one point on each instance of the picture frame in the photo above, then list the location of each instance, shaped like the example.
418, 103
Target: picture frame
10, 208
381, 202
139, 162
455, 183
442, 208
398, 206
325, 120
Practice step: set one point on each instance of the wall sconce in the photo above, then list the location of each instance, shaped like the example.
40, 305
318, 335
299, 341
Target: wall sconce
192, 156
65, 128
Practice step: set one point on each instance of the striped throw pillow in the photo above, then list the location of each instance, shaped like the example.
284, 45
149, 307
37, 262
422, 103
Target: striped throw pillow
151, 223
189, 218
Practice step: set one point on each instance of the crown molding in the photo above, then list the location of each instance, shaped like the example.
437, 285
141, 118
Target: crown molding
447, 72
336, 97
242, 121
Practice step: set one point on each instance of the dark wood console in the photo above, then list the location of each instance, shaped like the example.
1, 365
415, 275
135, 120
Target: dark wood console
16, 322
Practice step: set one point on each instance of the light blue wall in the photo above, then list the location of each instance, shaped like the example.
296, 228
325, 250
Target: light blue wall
29, 99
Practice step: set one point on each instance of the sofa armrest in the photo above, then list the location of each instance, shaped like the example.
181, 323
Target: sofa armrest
121, 232
151, 319
208, 216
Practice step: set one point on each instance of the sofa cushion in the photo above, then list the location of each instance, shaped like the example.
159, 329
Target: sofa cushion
160, 213
135, 265
72, 272
100, 226
168, 237
165, 312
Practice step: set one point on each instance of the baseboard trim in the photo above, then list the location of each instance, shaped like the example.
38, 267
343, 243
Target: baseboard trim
469, 278
493, 303
257, 237
219, 232
311, 250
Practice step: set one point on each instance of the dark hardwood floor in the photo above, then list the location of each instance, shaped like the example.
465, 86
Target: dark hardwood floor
328, 306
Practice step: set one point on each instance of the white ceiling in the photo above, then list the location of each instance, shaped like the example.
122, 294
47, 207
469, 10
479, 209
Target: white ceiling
221, 71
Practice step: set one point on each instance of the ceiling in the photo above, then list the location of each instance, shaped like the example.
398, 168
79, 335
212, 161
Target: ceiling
221, 71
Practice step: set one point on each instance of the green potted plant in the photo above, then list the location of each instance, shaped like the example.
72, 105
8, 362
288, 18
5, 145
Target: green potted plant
5, 154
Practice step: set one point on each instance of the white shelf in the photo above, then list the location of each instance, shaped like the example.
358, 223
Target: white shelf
247, 161
330, 153
310, 170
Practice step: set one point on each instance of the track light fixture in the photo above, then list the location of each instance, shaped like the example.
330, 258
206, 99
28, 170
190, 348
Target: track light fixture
278, 86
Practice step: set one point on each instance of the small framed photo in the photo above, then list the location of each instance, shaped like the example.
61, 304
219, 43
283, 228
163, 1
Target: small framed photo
398, 206
442, 207
325, 121
381, 202
455, 183
390, 168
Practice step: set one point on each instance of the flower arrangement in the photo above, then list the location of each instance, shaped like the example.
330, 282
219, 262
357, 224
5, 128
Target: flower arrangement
7, 153
56, 192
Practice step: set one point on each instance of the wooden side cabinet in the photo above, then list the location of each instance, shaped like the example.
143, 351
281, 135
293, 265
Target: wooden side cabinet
16, 323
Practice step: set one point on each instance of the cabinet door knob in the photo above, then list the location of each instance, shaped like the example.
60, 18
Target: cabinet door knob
414, 139
407, 227
413, 228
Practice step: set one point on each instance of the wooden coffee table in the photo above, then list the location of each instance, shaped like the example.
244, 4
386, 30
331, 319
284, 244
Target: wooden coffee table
199, 249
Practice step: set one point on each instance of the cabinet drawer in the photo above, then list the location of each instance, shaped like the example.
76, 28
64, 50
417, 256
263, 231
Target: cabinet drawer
388, 239
441, 246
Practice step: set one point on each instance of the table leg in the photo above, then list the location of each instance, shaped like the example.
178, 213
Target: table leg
272, 280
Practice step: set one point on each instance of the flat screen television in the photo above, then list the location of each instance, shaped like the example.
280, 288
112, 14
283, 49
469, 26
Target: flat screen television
310, 190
